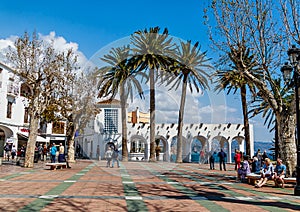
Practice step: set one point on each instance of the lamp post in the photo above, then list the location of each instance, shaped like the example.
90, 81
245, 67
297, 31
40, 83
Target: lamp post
294, 57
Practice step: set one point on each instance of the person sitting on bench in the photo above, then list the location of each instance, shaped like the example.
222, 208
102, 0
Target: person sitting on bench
279, 173
267, 173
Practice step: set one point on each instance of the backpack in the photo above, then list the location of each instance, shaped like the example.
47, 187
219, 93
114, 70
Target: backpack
6, 148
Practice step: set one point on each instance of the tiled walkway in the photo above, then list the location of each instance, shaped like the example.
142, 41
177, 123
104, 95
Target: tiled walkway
135, 186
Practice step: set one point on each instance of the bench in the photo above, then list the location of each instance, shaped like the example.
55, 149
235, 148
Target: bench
289, 180
252, 178
54, 166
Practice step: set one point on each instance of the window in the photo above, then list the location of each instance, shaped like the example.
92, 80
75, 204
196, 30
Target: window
9, 110
111, 120
26, 115
58, 127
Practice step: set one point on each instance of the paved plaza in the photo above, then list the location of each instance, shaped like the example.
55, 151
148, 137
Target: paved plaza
135, 186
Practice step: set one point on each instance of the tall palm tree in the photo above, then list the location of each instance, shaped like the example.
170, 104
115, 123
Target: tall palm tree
152, 52
234, 79
191, 70
119, 76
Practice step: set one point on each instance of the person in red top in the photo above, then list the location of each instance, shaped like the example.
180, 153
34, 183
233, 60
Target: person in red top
237, 159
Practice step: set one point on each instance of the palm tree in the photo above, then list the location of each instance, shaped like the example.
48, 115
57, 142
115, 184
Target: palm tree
191, 70
235, 79
119, 76
152, 52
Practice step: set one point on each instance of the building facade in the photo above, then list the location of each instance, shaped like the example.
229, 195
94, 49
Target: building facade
14, 117
105, 129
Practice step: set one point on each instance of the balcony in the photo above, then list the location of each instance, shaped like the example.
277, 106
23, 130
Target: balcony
12, 89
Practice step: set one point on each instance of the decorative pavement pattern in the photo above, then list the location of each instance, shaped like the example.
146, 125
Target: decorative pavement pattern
135, 186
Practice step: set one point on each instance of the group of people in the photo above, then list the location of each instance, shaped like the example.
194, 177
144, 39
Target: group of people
112, 156
222, 159
10, 151
268, 172
260, 164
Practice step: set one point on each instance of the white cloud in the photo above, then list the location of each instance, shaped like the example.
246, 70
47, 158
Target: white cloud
198, 107
59, 43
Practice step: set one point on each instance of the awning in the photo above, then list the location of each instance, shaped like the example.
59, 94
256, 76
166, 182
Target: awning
38, 138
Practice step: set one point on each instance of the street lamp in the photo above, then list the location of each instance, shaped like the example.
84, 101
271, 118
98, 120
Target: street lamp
294, 57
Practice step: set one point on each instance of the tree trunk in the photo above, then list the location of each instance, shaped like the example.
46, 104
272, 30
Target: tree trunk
287, 145
71, 151
276, 144
246, 120
152, 116
180, 121
29, 157
124, 124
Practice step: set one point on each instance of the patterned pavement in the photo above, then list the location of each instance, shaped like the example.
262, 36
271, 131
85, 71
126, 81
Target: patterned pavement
135, 186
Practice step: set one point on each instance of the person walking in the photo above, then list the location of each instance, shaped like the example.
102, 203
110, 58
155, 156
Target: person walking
13, 152
115, 157
212, 160
7, 149
53, 151
108, 156
222, 156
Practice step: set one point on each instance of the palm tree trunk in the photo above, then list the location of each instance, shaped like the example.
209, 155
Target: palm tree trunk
180, 121
29, 157
246, 120
124, 124
152, 116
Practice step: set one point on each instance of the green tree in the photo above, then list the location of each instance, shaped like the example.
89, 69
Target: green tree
152, 52
191, 70
120, 77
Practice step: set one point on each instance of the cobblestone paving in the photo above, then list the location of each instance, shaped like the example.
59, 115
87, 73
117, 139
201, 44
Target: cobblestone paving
135, 186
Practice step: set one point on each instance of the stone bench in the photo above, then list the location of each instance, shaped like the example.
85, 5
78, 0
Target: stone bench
289, 180
54, 166
252, 178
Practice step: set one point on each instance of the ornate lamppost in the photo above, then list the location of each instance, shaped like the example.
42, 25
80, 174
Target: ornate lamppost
287, 70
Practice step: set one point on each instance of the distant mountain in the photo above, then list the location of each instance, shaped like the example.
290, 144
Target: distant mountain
264, 145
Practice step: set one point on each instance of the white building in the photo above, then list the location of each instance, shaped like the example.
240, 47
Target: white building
106, 129
14, 119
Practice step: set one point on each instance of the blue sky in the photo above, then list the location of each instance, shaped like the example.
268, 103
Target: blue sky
95, 24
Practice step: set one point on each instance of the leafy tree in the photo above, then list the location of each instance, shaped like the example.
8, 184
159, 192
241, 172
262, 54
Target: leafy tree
152, 51
120, 77
251, 24
42, 69
192, 70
